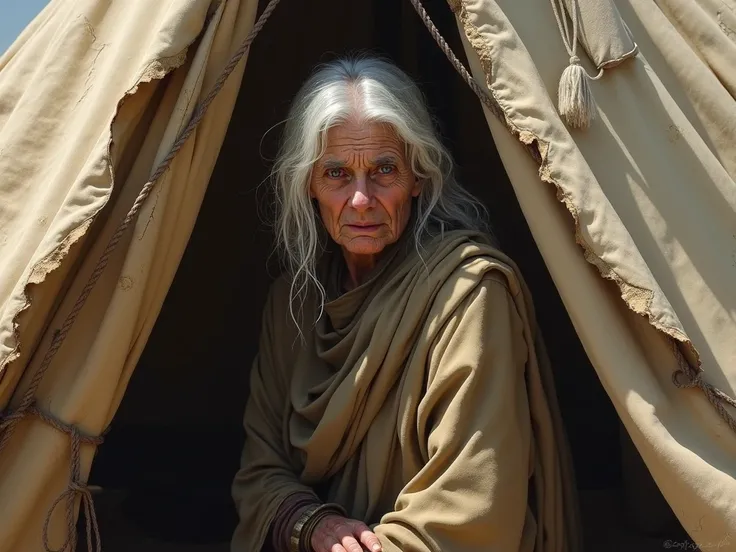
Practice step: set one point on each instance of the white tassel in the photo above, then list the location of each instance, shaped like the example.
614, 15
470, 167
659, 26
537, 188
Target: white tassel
576, 101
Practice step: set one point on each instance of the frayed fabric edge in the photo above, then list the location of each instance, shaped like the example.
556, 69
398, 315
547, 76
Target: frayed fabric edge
637, 299
157, 69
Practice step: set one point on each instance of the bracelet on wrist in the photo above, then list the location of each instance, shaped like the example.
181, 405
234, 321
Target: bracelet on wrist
317, 516
301, 534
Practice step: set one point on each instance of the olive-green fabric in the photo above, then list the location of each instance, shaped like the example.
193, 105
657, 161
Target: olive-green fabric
419, 401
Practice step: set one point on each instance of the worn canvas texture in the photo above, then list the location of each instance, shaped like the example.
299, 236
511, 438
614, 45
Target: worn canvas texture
635, 216
92, 96
636, 220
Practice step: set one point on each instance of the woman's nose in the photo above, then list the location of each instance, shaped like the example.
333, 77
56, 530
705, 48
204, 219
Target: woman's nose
361, 198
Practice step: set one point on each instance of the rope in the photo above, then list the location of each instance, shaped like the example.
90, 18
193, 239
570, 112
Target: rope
575, 100
692, 379
571, 42
75, 486
687, 377
484, 97
10, 420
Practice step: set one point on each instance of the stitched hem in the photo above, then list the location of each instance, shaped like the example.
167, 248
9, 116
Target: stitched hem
611, 63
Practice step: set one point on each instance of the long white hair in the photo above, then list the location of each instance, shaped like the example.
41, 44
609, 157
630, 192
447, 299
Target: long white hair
374, 91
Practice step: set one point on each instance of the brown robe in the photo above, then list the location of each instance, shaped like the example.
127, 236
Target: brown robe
420, 401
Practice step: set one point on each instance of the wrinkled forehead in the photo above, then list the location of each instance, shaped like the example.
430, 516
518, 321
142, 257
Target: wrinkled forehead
364, 139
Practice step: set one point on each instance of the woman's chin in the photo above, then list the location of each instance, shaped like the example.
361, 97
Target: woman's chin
364, 245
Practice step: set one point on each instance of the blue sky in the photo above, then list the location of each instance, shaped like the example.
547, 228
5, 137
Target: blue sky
14, 16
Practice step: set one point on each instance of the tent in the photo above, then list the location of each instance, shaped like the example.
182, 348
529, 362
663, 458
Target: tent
625, 230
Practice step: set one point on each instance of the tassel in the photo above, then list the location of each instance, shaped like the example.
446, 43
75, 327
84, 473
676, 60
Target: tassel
576, 101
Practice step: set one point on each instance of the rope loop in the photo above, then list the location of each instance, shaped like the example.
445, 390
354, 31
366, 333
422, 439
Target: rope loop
75, 486
684, 380
10, 418
69, 495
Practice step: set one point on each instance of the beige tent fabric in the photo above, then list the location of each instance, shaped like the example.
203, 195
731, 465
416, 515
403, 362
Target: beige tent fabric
709, 27
653, 202
650, 185
83, 104
678, 61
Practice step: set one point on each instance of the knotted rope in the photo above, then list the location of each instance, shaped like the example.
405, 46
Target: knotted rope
694, 378
26, 407
688, 377
75, 486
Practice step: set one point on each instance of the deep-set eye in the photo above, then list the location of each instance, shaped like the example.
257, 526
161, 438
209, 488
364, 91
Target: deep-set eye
386, 169
335, 173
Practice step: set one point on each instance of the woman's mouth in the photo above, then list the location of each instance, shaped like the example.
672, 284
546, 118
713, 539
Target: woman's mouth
364, 227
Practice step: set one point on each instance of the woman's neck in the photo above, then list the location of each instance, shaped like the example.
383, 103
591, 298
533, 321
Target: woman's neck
358, 268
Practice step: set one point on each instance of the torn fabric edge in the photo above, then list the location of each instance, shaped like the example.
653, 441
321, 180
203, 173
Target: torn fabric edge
156, 69
637, 299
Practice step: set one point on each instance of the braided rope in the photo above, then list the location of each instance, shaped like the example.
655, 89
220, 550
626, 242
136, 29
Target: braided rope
26, 407
75, 486
687, 377
484, 97
482, 94
61, 334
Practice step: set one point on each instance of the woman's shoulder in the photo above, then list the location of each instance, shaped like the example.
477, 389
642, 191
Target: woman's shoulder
478, 257
464, 269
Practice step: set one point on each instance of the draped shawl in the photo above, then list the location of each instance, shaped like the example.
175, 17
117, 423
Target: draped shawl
421, 401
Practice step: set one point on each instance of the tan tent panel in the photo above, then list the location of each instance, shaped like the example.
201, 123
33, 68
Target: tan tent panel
654, 209
82, 100
635, 217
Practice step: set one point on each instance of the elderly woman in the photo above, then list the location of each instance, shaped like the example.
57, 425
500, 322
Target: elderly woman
398, 401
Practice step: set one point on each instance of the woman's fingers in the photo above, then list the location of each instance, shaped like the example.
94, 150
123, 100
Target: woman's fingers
335, 534
349, 543
367, 537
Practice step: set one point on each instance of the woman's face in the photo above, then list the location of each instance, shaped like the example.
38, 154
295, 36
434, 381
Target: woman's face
364, 186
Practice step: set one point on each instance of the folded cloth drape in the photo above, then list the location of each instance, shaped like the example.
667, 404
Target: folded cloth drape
421, 401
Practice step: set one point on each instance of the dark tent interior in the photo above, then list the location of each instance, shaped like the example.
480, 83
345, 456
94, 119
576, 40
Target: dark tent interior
175, 443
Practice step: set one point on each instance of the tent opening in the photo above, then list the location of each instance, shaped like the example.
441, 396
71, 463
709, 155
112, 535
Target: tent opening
174, 445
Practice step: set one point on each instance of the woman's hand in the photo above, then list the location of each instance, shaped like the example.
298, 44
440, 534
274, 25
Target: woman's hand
339, 534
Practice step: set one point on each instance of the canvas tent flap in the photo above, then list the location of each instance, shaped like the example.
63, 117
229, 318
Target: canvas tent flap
53, 104
709, 26
85, 113
603, 33
704, 95
84, 117
653, 207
